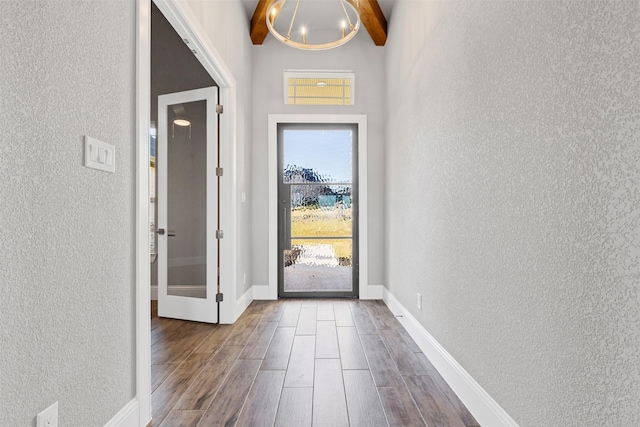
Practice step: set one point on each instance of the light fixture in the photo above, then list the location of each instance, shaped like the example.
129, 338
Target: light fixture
181, 123
351, 21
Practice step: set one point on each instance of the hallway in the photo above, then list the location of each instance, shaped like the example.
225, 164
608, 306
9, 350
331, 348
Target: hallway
297, 363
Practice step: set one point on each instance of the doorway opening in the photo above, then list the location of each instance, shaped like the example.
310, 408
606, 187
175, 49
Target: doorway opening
318, 204
364, 289
183, 198
190, 31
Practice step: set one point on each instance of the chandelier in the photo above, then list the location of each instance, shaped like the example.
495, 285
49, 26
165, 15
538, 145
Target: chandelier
350, 22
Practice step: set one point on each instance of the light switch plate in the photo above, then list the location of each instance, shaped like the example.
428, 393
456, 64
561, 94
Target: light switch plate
99, 155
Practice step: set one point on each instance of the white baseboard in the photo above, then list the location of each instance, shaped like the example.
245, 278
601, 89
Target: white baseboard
261, 292
243, 302
373, 292
129, 416
481, 405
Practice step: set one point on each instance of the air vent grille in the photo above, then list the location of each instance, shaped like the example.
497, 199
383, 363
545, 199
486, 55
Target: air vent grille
319, 87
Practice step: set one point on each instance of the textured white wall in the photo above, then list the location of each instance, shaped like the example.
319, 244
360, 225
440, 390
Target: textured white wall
367, 61
67, 263
227, 26
513, 198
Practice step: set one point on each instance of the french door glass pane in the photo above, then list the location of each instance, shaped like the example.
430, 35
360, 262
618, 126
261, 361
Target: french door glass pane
187, 199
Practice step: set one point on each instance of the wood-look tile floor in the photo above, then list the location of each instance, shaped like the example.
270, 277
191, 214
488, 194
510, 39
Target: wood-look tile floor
298, 363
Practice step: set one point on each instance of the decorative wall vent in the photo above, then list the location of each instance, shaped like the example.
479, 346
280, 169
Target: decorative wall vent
309, 87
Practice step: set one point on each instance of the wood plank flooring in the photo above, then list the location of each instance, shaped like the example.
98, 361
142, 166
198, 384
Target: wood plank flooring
296, 363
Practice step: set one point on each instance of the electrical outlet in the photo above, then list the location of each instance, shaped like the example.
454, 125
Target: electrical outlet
419, 301
48, 417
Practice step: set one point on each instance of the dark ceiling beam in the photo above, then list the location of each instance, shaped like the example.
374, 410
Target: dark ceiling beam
370, 14
259, 28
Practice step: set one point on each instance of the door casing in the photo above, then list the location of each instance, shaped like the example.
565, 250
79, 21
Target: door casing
270, 291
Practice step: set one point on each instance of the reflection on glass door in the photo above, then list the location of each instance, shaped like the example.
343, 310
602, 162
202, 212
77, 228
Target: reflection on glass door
318, 214
187, 199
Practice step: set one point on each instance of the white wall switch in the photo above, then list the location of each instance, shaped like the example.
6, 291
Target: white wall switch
48, 417
243, 196
419, 301
99, 155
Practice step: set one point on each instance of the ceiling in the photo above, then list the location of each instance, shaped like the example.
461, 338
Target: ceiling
173, 67
320, 12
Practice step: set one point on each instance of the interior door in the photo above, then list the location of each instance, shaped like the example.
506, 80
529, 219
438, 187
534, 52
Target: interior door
318, 210
187, 199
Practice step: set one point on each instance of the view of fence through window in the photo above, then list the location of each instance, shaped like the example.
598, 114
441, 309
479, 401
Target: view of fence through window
318, 214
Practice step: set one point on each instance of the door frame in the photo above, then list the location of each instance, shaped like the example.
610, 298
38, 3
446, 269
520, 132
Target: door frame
186, 24
274, 119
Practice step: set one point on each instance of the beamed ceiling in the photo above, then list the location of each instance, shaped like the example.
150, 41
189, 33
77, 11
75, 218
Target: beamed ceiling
371, 15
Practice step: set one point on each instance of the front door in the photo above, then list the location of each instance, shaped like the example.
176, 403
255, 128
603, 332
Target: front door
187, 197
318, 210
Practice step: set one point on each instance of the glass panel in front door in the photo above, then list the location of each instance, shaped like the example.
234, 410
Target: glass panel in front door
317, 194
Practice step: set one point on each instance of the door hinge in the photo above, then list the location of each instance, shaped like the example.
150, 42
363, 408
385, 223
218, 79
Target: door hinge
219, 109
219, 234
219, 297
219, 171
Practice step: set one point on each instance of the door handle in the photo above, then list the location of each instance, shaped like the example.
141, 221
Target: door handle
170, 233
286, 232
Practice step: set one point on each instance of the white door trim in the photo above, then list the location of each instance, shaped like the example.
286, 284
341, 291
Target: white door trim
143, 271
183, 20
361, 120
